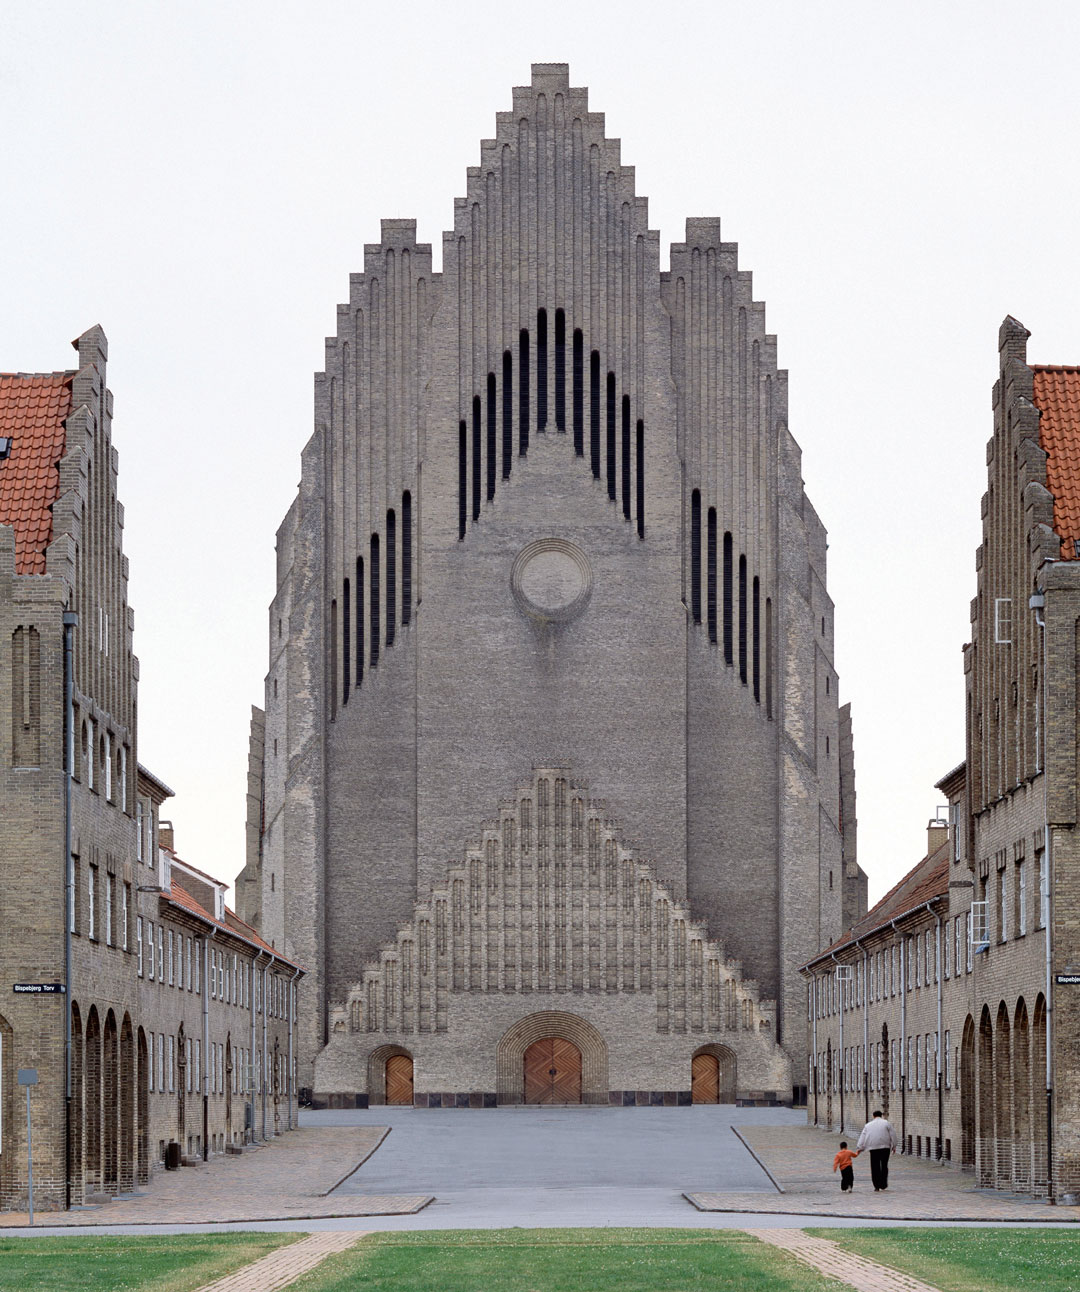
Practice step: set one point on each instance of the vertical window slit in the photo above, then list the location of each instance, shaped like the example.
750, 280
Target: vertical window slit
594, 412
492, 459
742, 619
463, 503
768, 657
626, 456
346, 642
756, 638
541, 370
560, 370
710, 596
359, 620
579, 393
373, 598
391, 576
641, 478
695, 556
611, 435
333, 661
507, 413
729, 652
476, 457
523, 392
406, 557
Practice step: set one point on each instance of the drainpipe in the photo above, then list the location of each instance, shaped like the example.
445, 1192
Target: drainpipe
813, 1030
289, 1070
251, 1060
206, 1042
939, 966
843, 1065
265, 1010
866, 1032
1037, 602
71, 621
903, 1045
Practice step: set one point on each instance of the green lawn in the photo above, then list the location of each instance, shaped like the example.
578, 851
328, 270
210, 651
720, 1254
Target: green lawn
973, 1260
162, 1262
562, 1260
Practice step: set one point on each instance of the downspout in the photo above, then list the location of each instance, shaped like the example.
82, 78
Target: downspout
251, 1063
866, 1032
1037, 602
813, 1031
903, 1045
939, 966
206, 1043
289, 1071
843, 1065
71, 620
265, 1008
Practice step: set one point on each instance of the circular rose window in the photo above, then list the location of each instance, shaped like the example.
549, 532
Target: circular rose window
551, 579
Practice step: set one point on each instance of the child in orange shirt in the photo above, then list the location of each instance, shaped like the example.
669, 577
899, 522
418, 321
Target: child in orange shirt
843, 1161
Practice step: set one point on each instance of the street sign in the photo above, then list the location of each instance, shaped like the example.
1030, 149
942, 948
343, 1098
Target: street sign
38, 988
1067, 979
28, 1076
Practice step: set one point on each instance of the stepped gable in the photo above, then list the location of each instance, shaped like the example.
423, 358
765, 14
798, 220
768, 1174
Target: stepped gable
552, 900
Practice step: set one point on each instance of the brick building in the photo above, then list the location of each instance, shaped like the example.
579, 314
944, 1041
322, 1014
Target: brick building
549, 775
954, 1004
162, 1010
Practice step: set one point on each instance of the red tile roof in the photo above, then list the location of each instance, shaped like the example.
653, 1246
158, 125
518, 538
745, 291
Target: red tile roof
230, 924
33, 407
1057, 397
924, 882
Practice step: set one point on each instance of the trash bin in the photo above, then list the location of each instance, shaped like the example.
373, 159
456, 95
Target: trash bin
172, 1156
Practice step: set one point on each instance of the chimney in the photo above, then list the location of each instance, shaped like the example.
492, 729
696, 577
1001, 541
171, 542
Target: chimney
165, 835
937, 834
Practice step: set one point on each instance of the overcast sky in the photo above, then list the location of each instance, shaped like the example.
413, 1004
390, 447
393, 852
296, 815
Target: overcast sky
200, 178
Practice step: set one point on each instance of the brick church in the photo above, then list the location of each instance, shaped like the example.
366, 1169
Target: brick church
547, 793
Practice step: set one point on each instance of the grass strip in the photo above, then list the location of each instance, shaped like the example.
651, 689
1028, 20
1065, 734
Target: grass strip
972, 1260
106, 1263
562, 1260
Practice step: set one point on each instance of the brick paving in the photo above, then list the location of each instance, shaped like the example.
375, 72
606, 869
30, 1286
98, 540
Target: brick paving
279, 1269
799, 1158
288, 1178
836, 1263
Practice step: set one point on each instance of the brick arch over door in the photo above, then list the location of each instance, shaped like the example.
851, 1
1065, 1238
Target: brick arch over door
726, 1071
510, 1054
376, 1070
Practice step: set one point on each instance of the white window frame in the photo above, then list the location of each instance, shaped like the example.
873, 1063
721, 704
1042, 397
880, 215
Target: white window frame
138, 938
150, 948
172, 978
1021, 892
107, 761
108, 908
124, 916
1003, 621
160, 954
150, 1057
91, 913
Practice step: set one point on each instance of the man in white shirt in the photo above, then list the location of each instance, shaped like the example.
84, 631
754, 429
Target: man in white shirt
879, 1137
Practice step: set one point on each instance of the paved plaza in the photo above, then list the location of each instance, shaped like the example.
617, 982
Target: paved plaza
404, 1168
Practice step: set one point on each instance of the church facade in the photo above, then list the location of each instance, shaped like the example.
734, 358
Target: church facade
546, 794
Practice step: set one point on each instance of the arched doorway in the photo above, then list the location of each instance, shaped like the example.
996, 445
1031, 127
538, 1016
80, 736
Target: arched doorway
110, 1068
1021, 1099
551, 1024
399, 1079
552, 1072
142, 1109
1003, 1082
967, 1096
75, 1124
1038, 1095
986, 1099
92, 1102
712, 1075
127, 1106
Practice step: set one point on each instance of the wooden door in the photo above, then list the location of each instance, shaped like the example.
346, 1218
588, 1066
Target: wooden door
705, 1079
399, 1079
553, 1072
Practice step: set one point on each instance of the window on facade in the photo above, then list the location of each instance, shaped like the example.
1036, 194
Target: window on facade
927, 958
150, 1057
1021, 900
106, 759
91, 896
160, 955
108, 909
1003, 905
967, 938
1003, 620
172, 1063
1037, 890
161, 1061
910, 1057
138, 938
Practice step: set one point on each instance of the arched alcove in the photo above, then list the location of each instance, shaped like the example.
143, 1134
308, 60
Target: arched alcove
510, 1054
376, 1070
704, 1073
